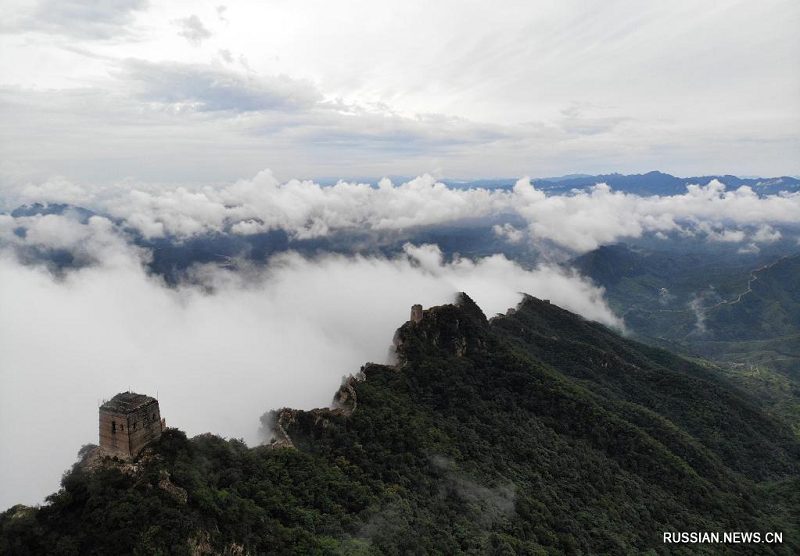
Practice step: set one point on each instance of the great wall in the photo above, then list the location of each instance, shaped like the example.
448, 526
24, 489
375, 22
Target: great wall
345, 401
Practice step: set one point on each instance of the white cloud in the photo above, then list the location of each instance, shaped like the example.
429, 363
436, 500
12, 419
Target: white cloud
549, 89
205, 88
55, 190
193, 30
215, 122
749, 249
110, 19
579, 221
226, 55
508, 232
720, 234
303, 208
88, 242
221, 11
585, 220
728, 236
766, 234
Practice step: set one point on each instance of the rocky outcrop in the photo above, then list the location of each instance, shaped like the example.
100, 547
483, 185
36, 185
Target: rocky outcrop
166, 484
280, 422
445, 330
99, 457
200, 545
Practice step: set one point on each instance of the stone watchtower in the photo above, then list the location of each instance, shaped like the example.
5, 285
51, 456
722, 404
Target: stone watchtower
128, 423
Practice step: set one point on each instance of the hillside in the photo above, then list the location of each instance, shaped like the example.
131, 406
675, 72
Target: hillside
661, 281
768, 308
532, 433
742, 315
691, 297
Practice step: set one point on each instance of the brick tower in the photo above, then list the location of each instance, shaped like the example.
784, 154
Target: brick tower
128, 423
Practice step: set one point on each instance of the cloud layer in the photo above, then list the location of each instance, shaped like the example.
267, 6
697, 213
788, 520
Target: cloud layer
579, 221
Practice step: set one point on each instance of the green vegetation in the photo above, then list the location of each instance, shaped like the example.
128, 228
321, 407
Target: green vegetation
536, 433
661, 294
753, 339
662, 281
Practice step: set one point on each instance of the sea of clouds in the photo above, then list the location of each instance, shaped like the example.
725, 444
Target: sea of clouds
579, 221
228, 343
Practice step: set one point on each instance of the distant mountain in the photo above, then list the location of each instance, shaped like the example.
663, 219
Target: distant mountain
658, 183
537, 432
651, 183
768, 308
564, 178
651, 279
171, 257
698, 296
743, 315
80, 213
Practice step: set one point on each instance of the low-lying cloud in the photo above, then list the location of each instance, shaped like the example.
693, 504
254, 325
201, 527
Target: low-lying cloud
588, 219
579, 221
219, 350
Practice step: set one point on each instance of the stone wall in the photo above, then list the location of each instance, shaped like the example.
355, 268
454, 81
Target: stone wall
114, 437
126, 434
144, 425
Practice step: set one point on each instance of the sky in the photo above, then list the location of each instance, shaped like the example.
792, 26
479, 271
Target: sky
208, 92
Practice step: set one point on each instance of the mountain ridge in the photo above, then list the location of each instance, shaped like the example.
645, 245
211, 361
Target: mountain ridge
535, 432
650, 183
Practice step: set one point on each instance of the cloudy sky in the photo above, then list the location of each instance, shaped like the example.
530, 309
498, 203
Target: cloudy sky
204, 91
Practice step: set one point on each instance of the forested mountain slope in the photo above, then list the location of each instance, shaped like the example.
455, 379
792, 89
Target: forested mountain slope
532, 433
692, 297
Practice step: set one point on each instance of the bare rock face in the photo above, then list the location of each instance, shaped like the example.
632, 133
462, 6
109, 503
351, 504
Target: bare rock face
200, 545
416, 313
99, 458
284, 422
166, 484
276, 421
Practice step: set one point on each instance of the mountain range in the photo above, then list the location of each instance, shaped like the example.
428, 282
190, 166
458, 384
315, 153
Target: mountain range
535, 432
738, 312
650, 183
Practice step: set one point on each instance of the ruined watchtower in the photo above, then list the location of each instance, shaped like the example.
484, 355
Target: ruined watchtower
128, 423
